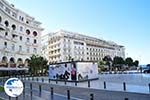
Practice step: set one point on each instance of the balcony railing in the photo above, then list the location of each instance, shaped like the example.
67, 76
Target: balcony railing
12, 65
3, 64
14, 39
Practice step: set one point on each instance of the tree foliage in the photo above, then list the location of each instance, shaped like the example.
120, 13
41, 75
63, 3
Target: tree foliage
129, 61
118, 61
101, 65
136, 63
108, 60
37, 64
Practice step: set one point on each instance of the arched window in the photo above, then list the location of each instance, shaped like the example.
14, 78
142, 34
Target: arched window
13, 47
28, 31
20, 61
12, 60
13, 27
35, 33
4, 59
6, 23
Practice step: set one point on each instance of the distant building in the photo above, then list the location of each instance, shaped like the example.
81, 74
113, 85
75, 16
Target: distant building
20, 37
45, 47
64, 46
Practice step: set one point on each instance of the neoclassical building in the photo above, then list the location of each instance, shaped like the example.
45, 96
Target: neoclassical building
64, 45
20, 37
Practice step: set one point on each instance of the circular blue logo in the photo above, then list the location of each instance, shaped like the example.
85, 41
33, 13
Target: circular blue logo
13, 87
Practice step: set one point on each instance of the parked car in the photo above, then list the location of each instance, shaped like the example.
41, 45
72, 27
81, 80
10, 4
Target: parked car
147, 69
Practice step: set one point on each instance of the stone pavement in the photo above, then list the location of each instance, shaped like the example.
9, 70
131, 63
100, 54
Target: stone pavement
77, 93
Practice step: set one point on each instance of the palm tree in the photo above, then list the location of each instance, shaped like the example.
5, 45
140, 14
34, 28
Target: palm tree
37, 64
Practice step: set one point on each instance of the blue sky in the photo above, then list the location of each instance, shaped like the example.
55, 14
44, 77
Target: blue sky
126, 22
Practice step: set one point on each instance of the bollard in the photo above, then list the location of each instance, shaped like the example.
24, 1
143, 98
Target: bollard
149, 87
126, 99
75, 83
88, 83
37, 79
49, 80
40, 89
65, 82
104, 85
56, 81
24, 89
32, 78
68, 94
9, 98
42, 79
52, 92
124, 86
31, 90
91, 96
16, 98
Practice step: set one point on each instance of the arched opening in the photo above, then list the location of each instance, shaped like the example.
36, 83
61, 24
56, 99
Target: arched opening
34, 33
26, 63
20, 63
4, 59
12, 62
6, 23
4, 62
13, 27
28, 31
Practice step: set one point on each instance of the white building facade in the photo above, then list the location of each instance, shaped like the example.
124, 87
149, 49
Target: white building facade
20, 36
64, 46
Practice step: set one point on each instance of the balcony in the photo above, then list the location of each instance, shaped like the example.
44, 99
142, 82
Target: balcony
35, 44
14, 39
13, 32
28, 43
5, 49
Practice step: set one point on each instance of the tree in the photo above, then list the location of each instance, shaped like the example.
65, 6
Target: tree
37, 64
129, 61
101, 65
118, 62
136, 63
108, 61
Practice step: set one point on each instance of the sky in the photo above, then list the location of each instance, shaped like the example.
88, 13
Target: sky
126, 22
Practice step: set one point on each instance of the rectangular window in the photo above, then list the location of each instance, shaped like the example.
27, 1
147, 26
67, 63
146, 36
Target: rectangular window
28, 50
20, 48
7, 10
35, 50
21, 28
20, 38
14, 14
13, 47
5, 44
